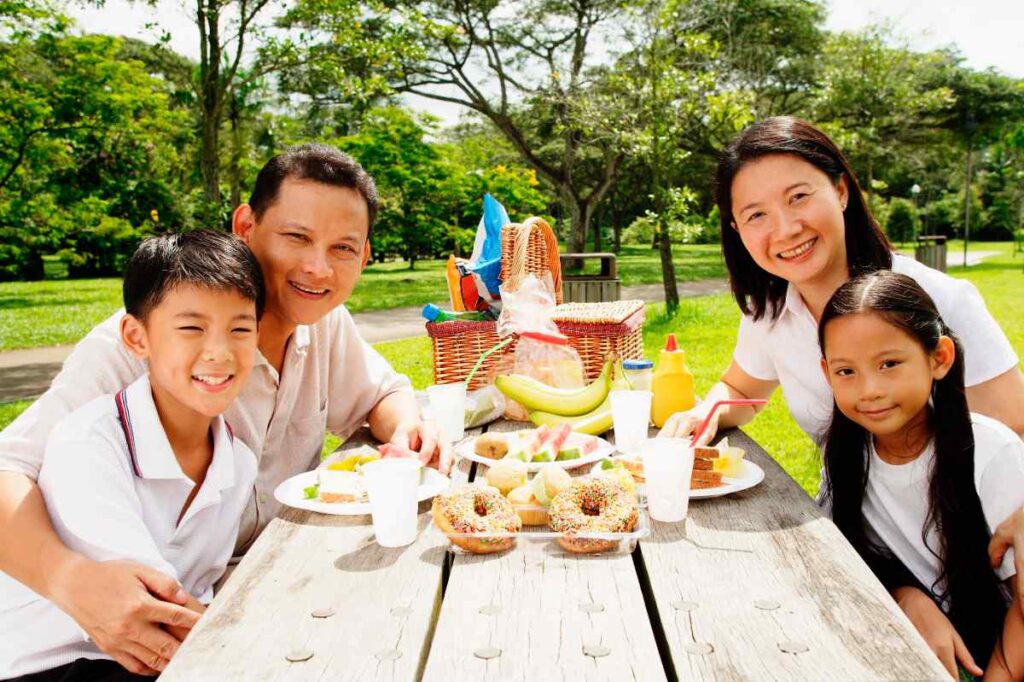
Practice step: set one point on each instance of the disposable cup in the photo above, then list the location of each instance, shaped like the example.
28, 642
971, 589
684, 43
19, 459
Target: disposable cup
448, 407
668, 465
391, 486
631, 415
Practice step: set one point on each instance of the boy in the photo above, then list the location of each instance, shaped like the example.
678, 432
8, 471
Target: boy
152, 474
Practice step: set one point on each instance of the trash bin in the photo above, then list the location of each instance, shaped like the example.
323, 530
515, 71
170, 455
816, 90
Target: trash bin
931, 250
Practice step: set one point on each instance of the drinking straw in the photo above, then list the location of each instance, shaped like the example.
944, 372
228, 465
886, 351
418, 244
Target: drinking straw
714, 408
498, 346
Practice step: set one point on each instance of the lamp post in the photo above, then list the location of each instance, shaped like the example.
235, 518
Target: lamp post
916, 190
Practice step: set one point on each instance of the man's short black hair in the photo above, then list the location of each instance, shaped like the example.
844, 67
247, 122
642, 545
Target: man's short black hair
318, 162
201, 258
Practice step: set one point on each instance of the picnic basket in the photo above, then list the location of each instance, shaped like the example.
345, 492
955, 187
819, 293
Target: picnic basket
530, 248
593, 329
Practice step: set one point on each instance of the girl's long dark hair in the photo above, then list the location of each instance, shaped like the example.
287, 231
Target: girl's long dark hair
867, 249
967, 586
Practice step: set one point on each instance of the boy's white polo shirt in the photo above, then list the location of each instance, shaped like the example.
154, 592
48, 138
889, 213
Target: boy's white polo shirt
116, 493
786, 349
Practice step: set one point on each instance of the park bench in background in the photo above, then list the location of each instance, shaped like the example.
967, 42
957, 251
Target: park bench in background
591, 288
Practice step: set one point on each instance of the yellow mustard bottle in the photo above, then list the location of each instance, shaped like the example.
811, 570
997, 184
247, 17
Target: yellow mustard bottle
672, 383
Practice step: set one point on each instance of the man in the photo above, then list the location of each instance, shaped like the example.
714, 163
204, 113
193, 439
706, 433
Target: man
308, 223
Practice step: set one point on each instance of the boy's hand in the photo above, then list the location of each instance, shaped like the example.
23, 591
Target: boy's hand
121, 606
940, 635
1010, 533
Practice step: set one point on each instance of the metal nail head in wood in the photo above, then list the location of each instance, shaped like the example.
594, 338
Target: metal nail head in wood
698, 648
487, 653
388, 654
596, 651
299, 655
490, 610
682, 605
766, 604
326, 612
793, 647
591, 608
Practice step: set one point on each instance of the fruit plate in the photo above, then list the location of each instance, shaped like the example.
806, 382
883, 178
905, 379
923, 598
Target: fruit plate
752, 475
604, 449
291, 493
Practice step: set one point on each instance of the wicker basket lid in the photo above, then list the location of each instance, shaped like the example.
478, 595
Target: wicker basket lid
608, 312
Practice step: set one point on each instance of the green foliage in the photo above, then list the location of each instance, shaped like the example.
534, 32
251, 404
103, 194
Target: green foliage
89, 146
902, 224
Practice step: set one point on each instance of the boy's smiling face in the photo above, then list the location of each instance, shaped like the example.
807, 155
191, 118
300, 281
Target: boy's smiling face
201, 346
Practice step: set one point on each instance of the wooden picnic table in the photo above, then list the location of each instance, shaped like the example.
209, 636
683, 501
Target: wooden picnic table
756, 585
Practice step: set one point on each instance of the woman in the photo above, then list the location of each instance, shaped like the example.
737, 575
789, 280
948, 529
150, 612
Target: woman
795, 226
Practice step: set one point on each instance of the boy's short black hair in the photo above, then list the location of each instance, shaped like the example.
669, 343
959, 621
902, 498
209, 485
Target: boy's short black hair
313, 161
202, 258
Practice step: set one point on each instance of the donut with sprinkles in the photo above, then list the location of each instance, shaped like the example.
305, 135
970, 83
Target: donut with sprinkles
592, 505
467, 510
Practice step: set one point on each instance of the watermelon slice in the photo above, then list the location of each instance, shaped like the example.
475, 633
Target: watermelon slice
534, 443
587, 445
557, 437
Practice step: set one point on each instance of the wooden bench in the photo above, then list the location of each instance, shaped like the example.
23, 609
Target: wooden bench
591, 288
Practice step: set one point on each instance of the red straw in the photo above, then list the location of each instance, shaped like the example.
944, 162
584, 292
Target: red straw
714, 408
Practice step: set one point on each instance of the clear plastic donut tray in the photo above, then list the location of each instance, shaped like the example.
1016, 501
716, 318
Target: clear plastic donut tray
541, 539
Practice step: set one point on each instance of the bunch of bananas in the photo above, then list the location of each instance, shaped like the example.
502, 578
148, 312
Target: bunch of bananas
587, 409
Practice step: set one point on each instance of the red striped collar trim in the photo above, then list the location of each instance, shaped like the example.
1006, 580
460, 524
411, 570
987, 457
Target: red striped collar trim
126, 426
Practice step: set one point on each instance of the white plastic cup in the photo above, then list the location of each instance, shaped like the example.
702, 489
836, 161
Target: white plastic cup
668, 465
631, 415
391, 486
448, 408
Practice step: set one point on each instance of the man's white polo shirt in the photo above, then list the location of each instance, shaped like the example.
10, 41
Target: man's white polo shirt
786, 349
114, 490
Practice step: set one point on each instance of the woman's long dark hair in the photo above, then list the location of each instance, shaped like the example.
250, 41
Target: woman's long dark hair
966, 585
867, 249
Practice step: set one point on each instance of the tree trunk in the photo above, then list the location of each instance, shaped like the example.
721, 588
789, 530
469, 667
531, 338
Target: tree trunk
212, 94
597, 231
668, 271
235, 165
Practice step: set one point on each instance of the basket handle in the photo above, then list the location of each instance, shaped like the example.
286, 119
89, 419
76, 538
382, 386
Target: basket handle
522, 245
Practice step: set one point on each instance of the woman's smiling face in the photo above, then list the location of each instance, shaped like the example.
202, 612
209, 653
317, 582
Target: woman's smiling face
789, 215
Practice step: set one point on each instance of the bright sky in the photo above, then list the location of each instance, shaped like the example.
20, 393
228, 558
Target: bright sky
988, 33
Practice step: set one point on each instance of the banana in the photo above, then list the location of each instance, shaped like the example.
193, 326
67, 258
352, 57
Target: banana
536, 395
595, 422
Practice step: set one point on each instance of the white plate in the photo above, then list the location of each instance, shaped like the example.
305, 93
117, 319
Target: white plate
752, 475
291, 493
604, 448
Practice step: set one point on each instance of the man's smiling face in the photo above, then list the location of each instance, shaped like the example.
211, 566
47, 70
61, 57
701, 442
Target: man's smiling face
312, 245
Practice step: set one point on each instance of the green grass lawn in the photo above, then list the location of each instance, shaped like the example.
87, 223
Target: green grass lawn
53, 313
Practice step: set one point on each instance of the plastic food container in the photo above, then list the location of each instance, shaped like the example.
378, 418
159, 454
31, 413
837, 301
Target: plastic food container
543, 540
639, 372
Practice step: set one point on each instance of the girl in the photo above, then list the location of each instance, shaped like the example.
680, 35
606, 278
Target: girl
915, 480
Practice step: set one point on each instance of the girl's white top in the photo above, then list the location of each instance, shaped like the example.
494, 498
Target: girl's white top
896, 498
786, 349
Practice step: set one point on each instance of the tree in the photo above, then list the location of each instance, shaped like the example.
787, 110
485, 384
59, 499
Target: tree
902, 224
525, 67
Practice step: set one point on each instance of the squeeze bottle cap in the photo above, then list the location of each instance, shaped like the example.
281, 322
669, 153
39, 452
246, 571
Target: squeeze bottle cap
670, 343
431, 312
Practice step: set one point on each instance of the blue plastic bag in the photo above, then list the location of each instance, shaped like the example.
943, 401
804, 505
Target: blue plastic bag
486, 259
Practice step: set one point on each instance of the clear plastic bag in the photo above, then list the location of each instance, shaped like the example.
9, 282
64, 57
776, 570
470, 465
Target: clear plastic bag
542, 352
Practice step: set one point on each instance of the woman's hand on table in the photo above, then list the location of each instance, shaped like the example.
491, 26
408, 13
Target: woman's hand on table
424, 438
121, 606
938, 633
683, 424
1010, 533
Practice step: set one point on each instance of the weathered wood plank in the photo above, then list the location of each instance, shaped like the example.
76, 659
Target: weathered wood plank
547, 615
384, 604
758, 585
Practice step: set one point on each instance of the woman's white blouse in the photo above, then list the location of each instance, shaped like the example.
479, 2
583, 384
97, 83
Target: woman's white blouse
786, 349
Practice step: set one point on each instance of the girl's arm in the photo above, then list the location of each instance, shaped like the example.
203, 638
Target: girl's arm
1007, 662
734, 384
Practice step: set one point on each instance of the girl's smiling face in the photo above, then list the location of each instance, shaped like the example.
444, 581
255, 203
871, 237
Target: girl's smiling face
882, 377
789, 215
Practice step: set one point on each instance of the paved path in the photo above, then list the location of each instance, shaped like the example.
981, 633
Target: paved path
27, 373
